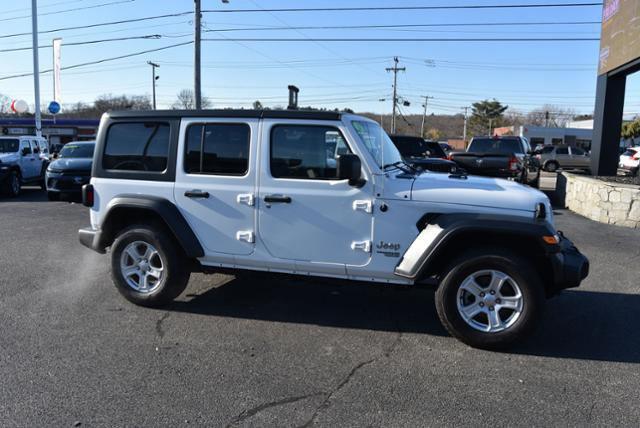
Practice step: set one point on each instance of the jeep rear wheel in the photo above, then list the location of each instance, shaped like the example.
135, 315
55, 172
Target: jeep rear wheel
13, 185
147, 267
490, 298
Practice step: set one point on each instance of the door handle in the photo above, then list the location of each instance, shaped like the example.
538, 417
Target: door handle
277, 199
196, 194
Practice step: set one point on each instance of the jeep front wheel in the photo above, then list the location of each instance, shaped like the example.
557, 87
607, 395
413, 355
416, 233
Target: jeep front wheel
147, 267
490, 298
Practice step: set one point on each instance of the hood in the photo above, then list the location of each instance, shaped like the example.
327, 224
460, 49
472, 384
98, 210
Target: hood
75, 164
476, 191
8, 157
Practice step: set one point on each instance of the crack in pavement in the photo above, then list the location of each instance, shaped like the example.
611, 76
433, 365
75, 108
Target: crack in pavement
327, 401
386, 354
255, 410
159, 330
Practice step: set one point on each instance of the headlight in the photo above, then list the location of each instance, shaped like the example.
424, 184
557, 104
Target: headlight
53, 170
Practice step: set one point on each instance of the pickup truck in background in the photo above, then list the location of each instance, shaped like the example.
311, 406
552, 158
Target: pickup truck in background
501, 157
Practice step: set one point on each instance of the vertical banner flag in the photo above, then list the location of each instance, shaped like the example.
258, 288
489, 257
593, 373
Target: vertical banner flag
57, 44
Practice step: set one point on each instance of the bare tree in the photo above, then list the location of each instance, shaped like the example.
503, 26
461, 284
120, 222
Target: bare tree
186, 100
551, 116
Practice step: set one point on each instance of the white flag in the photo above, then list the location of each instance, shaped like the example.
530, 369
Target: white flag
57, 44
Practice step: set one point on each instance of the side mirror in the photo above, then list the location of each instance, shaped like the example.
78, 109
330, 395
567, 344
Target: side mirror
36, 150
25, 151
350, 168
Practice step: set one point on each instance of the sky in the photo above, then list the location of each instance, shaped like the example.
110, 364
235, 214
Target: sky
523, 75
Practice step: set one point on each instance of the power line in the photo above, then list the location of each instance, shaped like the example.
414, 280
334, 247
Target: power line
88, 42
100, 61
101, 24
70, 10
375, 8
222, 30
382, 26
440, 40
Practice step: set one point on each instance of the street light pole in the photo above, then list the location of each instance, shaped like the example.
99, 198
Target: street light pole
464, 132
197, 88
153, 80
36, 66
424, 115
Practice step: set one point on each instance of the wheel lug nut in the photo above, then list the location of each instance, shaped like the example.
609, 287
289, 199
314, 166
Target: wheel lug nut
481, 305
491, 308
493, 292
498, 301
482, 294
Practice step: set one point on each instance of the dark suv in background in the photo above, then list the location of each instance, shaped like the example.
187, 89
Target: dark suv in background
423, 154
70, 171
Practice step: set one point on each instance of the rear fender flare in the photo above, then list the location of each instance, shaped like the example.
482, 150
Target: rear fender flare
165, 209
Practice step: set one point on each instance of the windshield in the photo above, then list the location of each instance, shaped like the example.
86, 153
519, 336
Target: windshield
77, 151
377, 142
491, 145
9, 146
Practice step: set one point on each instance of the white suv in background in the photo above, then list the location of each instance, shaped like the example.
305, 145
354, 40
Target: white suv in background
318, 194
22, 161
630, 161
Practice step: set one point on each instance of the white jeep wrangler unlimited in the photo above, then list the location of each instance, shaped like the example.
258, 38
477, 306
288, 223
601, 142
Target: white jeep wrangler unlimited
323, 194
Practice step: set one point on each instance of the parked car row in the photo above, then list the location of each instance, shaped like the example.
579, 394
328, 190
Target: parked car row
27, 160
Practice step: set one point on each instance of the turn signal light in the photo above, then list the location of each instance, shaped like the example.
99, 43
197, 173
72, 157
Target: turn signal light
551, 240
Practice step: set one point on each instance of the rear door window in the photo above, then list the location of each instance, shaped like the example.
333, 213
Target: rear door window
9, 145
140, 146
218, 149
562, 151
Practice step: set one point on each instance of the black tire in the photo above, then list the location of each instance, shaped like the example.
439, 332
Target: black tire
519, 269
13, 184
175, 267
53, 196
43, 179
536, 183
551, 166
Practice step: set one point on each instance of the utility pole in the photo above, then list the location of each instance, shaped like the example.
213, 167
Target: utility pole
464, 134
36, 65
424, 115
153, 80
197, 88
395, 70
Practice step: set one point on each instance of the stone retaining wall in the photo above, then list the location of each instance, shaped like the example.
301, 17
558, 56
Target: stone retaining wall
599, 200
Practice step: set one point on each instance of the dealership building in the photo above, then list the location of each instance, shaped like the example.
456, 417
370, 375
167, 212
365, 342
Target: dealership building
57, 131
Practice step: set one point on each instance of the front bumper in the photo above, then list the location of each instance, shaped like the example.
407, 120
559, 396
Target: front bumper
570, 266
92, 239
63, 183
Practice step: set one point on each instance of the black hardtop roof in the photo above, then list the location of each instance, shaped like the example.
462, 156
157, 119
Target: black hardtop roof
251, 114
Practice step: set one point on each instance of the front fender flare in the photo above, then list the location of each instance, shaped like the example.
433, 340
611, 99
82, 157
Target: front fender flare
442, 230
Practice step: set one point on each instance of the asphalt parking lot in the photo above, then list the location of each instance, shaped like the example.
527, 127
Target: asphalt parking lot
267, 351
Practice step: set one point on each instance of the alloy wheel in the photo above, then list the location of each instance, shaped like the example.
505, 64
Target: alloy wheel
142, 267
490, 301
